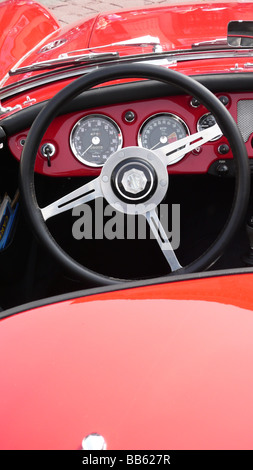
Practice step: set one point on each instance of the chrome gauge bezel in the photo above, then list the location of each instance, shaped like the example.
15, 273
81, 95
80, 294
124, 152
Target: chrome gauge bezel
161, 114
199, 127
86, 118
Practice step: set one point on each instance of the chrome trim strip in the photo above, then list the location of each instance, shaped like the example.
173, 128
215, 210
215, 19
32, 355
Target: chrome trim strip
171, 58
69, 72
35, 82
67, 60
221, 42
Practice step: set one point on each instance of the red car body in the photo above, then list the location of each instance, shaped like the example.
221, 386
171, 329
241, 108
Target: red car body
163, 363
163, 367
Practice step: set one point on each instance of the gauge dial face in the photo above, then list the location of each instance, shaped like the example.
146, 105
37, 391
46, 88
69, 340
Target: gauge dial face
94, 139
162, 129
206, 121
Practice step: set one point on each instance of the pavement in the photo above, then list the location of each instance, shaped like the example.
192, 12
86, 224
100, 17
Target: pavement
69, 11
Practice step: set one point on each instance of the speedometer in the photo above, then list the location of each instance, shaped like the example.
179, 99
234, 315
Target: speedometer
162, 129
94, 138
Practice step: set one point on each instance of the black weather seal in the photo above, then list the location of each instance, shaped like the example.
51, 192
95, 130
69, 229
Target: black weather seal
121, 287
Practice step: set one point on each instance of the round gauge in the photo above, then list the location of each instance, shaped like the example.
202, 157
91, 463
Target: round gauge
207, 120
162, 129
94, 139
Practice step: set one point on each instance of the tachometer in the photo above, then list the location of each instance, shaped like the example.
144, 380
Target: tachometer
162, 129
94, 138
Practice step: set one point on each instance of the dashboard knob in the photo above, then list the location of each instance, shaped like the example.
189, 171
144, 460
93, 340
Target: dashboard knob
129, 116
222, 169
223, 149
47, 150
224, 100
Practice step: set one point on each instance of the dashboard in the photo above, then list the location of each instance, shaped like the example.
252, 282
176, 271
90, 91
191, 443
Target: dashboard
79, 143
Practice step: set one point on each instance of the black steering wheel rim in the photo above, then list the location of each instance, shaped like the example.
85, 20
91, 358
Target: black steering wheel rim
124, 71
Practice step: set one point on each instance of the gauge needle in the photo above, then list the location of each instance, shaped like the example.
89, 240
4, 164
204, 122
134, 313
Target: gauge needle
163, 140
88, 148
158, 143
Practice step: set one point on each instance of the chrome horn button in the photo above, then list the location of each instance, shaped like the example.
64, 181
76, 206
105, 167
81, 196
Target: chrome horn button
134, 180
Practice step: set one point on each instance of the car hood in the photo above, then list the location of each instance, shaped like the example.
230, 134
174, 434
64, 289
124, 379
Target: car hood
158, 367
176, 26
173, 27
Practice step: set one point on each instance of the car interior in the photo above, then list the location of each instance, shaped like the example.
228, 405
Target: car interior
202, 184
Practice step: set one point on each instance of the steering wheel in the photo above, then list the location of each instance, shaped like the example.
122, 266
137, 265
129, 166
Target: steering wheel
134, 180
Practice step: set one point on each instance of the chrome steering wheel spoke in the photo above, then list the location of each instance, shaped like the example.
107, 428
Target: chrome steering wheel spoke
85, 193
162, 239
174, 151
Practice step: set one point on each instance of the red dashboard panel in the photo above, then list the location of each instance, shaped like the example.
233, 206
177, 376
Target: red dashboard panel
64, 162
